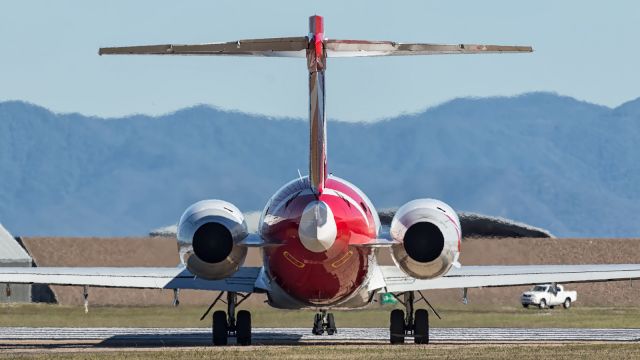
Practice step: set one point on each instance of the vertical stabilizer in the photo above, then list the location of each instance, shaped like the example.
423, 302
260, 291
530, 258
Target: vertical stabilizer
316, 62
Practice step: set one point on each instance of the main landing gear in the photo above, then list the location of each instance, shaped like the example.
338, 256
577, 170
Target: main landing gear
229, 324
413, 324
322, 322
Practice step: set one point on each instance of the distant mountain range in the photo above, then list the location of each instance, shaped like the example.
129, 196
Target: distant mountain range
551, 161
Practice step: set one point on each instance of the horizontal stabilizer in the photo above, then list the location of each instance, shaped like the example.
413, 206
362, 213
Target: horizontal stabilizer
279, 47
355, 48
297, 47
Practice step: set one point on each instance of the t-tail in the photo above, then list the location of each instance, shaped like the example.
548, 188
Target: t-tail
316, 49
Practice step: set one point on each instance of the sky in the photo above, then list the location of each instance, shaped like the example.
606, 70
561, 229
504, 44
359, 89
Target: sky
48, 54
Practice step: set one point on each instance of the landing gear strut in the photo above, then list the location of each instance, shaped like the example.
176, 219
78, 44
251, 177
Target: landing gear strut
322, 322
415, 324
226, 324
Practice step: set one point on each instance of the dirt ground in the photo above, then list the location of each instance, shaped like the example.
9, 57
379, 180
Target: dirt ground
160, 251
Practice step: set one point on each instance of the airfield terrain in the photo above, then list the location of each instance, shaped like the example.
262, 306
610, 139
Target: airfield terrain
603, 324
163, 251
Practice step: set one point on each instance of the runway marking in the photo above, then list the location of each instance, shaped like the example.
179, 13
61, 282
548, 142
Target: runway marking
189, 336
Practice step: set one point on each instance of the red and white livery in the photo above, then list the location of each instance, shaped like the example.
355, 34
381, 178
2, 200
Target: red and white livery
319, 234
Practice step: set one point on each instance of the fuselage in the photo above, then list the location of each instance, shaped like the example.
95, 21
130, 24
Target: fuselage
317, 260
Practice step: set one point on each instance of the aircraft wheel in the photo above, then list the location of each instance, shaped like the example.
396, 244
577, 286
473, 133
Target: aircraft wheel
220, 328
331, 324
525, 306
317, 325
421, 331
567, 303
243, 327
396, 327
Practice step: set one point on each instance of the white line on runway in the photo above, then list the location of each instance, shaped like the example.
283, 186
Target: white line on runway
203, 335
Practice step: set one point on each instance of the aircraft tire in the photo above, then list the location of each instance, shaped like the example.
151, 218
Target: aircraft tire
396, 327
331, 324
220, 328
243, 327
421, 330
317, 325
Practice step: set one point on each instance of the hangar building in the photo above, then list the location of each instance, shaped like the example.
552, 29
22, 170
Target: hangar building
13, 255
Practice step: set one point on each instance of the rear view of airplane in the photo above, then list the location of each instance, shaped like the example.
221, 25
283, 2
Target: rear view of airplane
319, 234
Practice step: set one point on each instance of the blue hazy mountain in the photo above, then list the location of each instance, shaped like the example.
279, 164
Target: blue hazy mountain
543, 159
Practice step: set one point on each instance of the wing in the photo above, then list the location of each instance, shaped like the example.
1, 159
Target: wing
243, 280
376, 243
355, 48
279, 47
491, 276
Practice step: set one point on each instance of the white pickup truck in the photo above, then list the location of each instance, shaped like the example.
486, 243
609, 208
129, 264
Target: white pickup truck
548, 295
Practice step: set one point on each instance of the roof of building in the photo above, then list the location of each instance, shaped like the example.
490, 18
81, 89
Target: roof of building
10, 250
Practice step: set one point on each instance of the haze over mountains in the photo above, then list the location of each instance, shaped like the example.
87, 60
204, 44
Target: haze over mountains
543, 159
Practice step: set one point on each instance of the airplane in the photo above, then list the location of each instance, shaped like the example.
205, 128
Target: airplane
319, 234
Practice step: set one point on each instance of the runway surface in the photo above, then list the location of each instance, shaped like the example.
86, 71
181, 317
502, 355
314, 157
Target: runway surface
11, 337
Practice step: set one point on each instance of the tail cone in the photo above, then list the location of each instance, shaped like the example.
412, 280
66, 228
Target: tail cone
317, 230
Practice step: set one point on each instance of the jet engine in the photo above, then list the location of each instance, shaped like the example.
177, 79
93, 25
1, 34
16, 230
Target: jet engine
213, 228
429, 234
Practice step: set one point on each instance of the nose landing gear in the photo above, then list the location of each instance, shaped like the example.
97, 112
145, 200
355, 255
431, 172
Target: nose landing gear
322, 322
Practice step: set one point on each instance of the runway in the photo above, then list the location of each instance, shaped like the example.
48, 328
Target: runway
21, 337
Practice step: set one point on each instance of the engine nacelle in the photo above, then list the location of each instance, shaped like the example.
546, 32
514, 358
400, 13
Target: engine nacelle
213, 228
429, 232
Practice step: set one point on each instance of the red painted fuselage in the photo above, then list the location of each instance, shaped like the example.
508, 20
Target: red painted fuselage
326, 277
